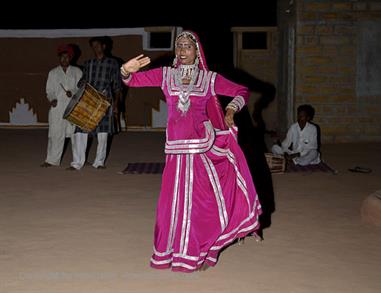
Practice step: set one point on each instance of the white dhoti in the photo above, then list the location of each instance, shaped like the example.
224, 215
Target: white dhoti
79, 145
310, 157
59, 129
57, 84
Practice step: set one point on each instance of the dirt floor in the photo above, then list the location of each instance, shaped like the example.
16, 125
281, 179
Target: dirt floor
91, 230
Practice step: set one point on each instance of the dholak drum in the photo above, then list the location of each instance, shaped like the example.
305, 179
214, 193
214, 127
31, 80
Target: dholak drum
276, 163
86, 108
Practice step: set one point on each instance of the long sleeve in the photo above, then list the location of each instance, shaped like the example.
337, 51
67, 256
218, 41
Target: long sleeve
78, 76
116, 79
51, 86
75, 74
288, 140
225, 87
149, 78
85, 74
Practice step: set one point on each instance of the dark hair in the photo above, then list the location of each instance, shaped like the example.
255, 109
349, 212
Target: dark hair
308, 109
100, 40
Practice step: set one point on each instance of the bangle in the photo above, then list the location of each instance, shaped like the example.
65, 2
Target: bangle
232, 106
123, 72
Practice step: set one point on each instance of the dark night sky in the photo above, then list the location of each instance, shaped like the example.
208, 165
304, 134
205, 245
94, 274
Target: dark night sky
213, 27
77, 14
127, 13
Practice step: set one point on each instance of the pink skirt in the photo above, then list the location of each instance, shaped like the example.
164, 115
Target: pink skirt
206, 202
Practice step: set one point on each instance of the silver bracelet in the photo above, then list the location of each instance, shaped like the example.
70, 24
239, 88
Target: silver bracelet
123, 72
232, 106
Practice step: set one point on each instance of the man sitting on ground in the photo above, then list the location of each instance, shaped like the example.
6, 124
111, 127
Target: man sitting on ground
301, 143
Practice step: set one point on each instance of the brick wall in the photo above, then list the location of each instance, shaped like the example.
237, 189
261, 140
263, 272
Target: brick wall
328, 67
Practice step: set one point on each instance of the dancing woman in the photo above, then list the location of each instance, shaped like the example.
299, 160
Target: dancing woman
207, 198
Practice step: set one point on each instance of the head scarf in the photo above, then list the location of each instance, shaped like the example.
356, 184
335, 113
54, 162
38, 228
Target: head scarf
65, 49
214, 109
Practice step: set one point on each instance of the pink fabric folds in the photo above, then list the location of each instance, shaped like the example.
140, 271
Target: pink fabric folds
208, 205
207, 197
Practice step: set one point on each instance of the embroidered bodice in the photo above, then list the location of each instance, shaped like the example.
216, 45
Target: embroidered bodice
189, 131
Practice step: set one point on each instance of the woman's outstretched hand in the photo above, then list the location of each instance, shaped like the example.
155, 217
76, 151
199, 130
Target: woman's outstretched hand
134, 64
229, 117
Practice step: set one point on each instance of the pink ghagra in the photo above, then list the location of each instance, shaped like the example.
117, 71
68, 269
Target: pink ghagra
207, 198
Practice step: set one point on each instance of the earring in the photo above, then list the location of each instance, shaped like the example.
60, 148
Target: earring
174, 63
196, 62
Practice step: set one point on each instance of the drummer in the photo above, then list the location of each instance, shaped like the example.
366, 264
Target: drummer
103, 74
60, 86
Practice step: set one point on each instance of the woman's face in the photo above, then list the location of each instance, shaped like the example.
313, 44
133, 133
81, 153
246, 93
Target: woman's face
185, 51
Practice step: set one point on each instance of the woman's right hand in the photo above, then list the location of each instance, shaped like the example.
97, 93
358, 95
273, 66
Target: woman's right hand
229, 117
134, 64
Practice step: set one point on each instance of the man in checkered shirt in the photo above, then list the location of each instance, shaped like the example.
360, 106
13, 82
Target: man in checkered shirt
103, 74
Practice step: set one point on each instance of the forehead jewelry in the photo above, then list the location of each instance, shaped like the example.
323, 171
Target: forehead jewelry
187, 35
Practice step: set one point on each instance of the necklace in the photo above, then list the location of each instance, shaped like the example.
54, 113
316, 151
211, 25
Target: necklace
185, 72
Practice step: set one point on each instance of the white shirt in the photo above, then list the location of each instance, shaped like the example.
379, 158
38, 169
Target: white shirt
302, 140
55, 91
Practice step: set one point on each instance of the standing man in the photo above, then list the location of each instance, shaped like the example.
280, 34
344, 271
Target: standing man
60, 87
103, 73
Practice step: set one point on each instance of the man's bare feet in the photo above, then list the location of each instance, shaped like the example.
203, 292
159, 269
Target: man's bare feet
46, 165
100, 167
71, 168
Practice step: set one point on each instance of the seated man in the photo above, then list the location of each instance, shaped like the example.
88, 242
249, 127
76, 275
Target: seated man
301, 142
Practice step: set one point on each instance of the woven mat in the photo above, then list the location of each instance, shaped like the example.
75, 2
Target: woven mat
321, 167
143, 168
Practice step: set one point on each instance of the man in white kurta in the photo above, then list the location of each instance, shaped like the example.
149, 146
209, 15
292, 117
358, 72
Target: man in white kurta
60, 87
301, 142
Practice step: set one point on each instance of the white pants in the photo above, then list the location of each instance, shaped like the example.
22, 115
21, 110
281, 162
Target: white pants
55, 149
312, 157
79, 142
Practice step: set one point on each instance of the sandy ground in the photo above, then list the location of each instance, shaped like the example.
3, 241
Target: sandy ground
91, 231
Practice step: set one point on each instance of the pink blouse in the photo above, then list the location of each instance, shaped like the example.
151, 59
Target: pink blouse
191, 131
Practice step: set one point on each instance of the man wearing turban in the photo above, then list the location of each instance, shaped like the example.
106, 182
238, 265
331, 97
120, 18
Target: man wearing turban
60, 87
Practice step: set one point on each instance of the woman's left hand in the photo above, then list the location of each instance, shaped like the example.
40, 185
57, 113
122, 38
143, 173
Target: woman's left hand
229, 117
